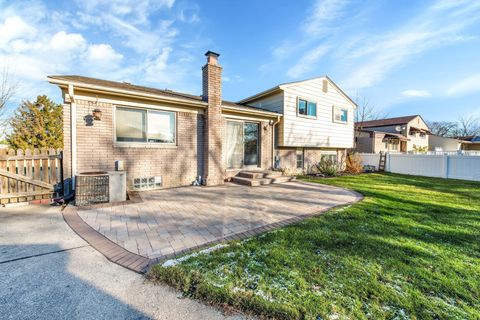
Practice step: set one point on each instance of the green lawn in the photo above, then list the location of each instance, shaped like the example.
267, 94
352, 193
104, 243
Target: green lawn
409, 250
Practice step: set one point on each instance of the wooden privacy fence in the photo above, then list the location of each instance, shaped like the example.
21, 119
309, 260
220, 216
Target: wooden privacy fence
29, 174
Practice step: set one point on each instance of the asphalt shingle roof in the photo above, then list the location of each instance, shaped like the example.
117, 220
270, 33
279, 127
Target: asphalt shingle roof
386, 122
149, 90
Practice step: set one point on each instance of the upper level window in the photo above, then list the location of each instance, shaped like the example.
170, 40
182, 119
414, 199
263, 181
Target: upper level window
142, 125
340, 115
307, 108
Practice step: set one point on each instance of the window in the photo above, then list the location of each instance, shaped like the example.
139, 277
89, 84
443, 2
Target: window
141, 125
395, 145
340, 115
330, 157
307, 108
131, 125
299, 159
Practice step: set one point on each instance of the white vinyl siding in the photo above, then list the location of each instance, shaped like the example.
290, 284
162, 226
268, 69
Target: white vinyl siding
273, 103
416, 140
322, 131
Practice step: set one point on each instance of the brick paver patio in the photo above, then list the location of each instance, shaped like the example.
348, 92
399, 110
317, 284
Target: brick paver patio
175, 220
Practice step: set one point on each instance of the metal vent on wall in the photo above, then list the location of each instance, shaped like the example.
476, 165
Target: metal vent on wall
147, 183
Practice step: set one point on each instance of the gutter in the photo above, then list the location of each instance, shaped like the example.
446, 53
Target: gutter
73, 133
251, 111
259, 95
273, 141
129, 93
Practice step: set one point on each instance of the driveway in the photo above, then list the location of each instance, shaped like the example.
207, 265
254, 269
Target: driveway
173, 221
48, 272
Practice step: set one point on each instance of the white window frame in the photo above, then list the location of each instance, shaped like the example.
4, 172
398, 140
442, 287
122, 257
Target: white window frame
306, 115
340, 109
299, 152
146, 143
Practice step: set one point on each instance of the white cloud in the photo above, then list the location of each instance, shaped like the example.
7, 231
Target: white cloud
411, 93
63, 41
308, 61
468, 85
438, 25
102, 52
320, 18
15, 28
309, 46
137, 11
141, 40
101, 58
122, 40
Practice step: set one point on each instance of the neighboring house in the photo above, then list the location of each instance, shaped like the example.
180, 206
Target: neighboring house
438, 143
401, 134
170, 138
470, 143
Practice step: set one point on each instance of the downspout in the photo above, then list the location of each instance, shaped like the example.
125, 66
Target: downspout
273, 141
73, 133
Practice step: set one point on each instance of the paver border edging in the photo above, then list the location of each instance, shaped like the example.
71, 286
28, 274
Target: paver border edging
102, 244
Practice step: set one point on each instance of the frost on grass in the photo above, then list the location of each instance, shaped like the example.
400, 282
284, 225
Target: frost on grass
174, 262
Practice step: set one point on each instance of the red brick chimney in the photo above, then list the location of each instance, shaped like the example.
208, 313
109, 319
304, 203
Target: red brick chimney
212, 94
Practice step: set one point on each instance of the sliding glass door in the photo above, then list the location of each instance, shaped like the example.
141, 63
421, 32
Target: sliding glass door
242, 144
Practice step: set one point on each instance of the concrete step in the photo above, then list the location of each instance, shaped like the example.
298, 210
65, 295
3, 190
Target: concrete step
259, 174
262, 181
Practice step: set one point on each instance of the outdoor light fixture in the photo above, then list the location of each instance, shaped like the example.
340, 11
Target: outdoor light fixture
88, 120
97, 114
270, 122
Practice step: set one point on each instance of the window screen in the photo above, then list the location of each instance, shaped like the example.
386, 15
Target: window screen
131, 125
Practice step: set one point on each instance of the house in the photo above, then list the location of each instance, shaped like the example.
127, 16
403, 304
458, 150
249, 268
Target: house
400, 134
168, 139
470, 143
446, 144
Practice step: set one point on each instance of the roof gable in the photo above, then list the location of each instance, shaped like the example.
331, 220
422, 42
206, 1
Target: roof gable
330, 81
282, 86
386, 122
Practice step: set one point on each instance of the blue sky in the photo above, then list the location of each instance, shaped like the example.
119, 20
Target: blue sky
404, 57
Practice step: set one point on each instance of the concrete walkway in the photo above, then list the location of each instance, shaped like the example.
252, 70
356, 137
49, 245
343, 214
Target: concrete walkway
48, 272
174, 221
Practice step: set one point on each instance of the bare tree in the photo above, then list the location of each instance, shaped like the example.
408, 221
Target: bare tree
443, 128
366, 111
468, 126
7, 89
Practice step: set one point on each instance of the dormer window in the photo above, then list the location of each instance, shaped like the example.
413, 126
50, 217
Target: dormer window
307, 108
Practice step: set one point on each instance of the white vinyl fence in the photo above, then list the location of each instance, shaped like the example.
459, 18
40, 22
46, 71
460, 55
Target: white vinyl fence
443, 166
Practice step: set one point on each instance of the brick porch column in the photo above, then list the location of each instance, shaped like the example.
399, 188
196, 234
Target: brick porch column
212, 94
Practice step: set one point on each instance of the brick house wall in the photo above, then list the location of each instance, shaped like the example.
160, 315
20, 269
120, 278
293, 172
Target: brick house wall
96, 150
311, 156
